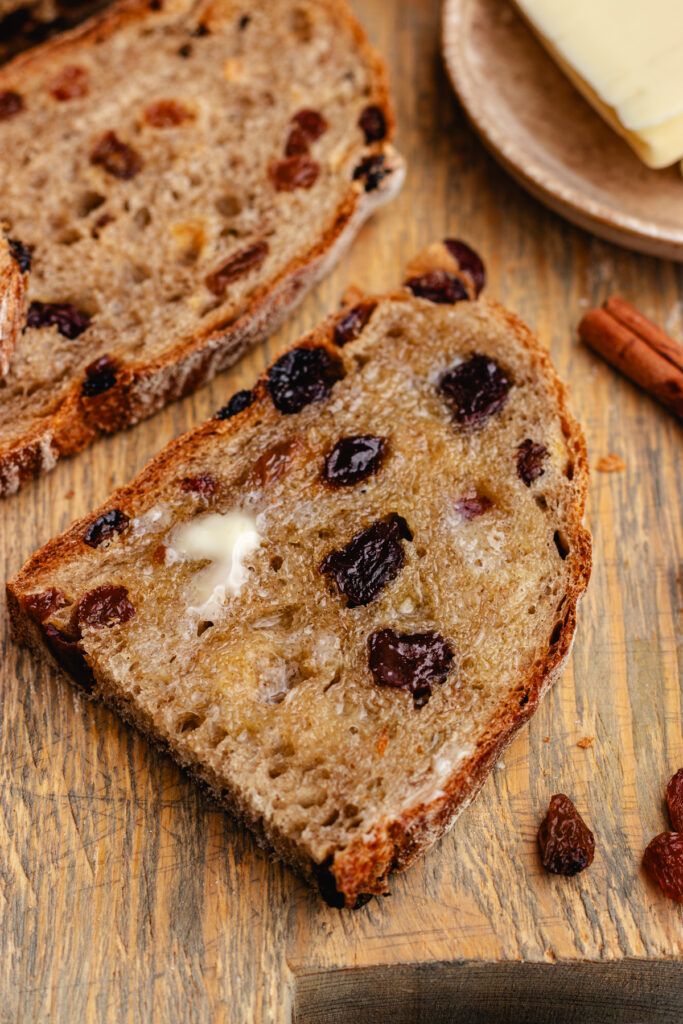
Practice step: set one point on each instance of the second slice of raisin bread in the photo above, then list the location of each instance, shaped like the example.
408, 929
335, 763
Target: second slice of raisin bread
416, 486
183, 172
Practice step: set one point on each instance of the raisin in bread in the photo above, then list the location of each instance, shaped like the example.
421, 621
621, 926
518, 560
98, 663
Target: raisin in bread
397, 507
15, 263
188, 170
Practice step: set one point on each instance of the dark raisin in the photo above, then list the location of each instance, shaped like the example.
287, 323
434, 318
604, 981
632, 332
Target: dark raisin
469, 262
371, 171
106, 605
167, 114
69, 321
185, 50
200, 31
298, 171
239, 264
11, 103
21, 254
663, 861
100, 376
203, 484
311, 123
566, 843
373, 124
353, 459
475, 389
240, 400
410, 661
71, 83
297, 143
105, 526
530, 459
302, 376
471, 505
352, 323
40, 606
371, 560
116, 157
438, 286
674, 800
67, 653
243, 22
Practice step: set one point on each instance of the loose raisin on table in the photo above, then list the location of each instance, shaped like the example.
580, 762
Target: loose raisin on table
353, 459
566, 843
530, 459
11, 103
240, 400
469, 262
298, 171
373, 124
475, 389
663, 861
471, 505
67, 652
239, 264
69, 321
409, 661
21, 254
71, 83
372, 559
105, 526
100, 376
301, 376
674, 800
351, 325
438, 286
40, 606
116, 157
203, 484
106, 605
371, 171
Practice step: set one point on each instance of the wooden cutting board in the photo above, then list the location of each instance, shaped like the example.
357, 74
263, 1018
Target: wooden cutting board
126, 897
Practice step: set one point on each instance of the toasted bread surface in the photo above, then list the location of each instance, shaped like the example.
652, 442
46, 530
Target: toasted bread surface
282, 703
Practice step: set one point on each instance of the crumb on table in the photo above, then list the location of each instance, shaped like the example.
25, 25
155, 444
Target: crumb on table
611, 463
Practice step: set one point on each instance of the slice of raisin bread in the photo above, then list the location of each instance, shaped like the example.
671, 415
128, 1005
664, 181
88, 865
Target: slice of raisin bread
15, 263
189, 168
337, 601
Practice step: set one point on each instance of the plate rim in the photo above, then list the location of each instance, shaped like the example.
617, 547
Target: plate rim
604, 221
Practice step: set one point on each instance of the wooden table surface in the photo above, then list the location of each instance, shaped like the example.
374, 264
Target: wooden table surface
125, 896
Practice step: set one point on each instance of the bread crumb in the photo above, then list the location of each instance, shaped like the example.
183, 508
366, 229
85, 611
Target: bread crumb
585, 742
546, 739
69, 494
611, 463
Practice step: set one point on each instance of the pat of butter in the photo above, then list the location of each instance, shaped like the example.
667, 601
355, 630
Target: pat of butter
625, 56
226, 540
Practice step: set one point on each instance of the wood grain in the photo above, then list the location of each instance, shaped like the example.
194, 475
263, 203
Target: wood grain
126, 897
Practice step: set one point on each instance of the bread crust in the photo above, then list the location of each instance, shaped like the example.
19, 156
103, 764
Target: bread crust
362, 867
146, 386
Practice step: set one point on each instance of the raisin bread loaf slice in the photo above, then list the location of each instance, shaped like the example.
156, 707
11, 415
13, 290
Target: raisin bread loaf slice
15, 263
189, 168
337, 601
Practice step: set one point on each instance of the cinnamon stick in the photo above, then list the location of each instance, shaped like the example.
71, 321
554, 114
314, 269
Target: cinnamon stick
640, 349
